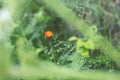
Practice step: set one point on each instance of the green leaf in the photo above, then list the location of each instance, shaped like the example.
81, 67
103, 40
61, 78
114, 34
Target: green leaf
73, 38
89, 44
103, 59
39, 50
40, 16
79, 44
84, 52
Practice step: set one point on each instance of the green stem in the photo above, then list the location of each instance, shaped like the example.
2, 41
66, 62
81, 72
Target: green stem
51, 49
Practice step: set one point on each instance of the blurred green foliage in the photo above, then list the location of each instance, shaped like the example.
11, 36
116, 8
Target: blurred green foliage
27, 54
103, 13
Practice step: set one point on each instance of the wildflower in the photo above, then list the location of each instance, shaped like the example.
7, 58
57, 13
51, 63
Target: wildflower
48, 34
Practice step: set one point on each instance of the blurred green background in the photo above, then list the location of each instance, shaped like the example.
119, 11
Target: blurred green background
85, 43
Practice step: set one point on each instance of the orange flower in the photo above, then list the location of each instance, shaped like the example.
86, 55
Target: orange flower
48, 34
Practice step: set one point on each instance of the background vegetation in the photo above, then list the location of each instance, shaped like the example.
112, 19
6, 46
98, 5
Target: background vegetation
85, 44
